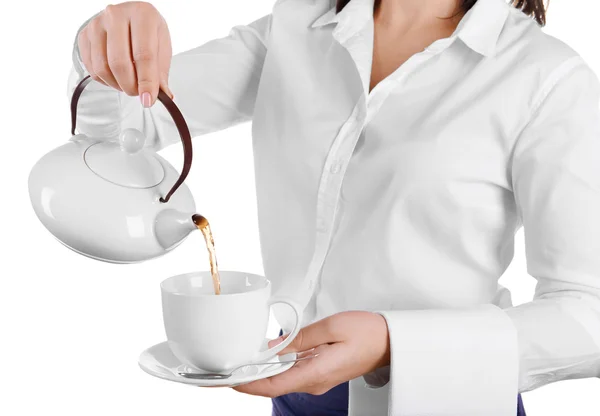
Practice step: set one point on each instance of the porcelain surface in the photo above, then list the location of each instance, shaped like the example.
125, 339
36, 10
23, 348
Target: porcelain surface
220, 332
103, 220
160, 362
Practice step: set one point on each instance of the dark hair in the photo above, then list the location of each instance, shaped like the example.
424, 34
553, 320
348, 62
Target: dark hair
533, 8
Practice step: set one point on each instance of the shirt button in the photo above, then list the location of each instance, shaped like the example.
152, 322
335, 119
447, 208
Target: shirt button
321, 227
335, 167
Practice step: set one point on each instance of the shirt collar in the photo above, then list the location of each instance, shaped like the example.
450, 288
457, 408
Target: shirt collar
479, 29
329, 17
350, 20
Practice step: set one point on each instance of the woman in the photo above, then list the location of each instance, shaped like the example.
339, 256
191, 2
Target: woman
399, 145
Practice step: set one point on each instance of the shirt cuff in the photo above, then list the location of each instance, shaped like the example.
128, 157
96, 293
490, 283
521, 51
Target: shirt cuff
453, 362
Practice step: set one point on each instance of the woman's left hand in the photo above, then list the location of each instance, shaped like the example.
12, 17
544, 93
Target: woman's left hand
348, 344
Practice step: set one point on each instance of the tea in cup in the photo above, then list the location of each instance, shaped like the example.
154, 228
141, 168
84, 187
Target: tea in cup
217, 333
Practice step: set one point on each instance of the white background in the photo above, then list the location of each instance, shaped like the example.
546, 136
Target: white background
72, 328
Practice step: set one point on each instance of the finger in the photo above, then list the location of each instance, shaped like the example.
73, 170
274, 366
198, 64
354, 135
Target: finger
165, 53
118, 54
97, 35
84, 45
305, 354
296, 379
314, 376
309, 337
144, 44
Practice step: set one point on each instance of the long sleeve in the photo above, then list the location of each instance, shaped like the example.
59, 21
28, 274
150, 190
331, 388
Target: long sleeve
214, 85
556, 177
474, 361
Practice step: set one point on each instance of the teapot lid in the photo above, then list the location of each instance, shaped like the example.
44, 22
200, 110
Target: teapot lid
126, 163
134, 166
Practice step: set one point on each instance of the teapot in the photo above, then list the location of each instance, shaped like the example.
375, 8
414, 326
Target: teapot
114, 200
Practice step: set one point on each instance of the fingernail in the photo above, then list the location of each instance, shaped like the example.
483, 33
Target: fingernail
275, 342
146, 100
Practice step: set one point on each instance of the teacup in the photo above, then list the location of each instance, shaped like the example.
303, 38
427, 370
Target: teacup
217, 333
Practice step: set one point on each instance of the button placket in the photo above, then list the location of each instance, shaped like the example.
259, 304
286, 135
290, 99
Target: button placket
335, 167
329, 190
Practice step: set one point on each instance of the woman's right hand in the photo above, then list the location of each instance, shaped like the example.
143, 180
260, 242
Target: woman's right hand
128, 47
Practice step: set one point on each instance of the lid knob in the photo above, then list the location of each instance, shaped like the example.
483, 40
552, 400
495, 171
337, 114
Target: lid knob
132, 140
172, 109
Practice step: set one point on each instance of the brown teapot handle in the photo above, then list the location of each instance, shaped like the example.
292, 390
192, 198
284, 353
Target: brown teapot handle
182, 127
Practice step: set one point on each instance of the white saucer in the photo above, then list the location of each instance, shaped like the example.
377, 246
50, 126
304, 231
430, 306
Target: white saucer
159, 361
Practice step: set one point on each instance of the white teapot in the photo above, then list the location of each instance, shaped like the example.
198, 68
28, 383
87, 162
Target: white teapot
114, 201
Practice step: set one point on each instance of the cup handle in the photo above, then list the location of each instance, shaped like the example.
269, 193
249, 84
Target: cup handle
271, 352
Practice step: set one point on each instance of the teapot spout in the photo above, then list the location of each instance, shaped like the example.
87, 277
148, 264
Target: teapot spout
172, 226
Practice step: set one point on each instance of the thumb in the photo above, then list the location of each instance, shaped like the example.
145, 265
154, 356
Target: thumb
275, 342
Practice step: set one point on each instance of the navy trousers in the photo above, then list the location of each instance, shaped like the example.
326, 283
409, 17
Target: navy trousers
332, 403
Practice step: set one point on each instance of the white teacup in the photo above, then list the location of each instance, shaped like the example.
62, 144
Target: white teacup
219, 332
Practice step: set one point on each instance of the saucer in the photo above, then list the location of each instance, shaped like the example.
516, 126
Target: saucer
159, 361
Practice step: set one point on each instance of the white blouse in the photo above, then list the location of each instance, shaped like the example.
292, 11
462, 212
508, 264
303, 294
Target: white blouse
405, 199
